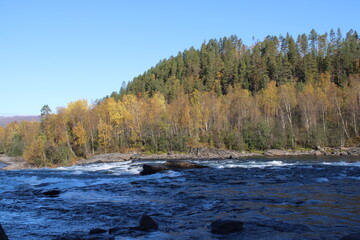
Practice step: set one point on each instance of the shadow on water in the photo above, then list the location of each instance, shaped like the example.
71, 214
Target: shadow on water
277, 198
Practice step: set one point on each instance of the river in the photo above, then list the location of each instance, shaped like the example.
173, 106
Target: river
276, 198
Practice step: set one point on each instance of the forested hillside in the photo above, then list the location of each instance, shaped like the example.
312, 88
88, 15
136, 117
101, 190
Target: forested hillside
278, 93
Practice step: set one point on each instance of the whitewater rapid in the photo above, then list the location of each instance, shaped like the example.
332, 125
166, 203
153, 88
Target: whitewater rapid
276, 198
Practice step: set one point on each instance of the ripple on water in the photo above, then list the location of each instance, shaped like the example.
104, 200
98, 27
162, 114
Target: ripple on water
275, 198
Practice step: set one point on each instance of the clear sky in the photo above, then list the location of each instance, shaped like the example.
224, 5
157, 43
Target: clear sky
56, 51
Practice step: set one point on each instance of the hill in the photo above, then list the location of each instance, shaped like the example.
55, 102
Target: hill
221, 64
278, 93
4, 120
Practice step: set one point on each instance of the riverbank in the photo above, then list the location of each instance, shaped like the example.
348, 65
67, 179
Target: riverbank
14, 163
18, 163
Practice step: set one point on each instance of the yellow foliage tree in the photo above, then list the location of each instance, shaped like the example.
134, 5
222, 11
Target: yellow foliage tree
104, 134
269, 100
35, 152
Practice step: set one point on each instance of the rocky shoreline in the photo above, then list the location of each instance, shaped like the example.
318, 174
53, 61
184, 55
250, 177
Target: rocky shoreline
18, 163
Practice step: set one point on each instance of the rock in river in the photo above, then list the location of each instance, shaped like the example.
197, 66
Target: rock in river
2, 234
151, 169
52, 193
147, 223
182, 165
169, 165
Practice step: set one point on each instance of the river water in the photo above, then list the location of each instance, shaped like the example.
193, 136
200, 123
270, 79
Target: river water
276, 198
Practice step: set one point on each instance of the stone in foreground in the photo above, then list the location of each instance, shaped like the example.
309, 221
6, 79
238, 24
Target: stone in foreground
2, 234
147, 223
226, 226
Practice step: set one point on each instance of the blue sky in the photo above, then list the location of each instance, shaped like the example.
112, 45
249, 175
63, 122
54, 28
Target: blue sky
56, 51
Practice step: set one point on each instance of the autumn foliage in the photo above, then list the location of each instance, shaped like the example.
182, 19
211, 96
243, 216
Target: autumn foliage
276, 94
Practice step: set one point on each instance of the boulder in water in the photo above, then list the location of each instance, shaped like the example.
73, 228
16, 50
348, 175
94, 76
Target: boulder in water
147, 223
3, 234
52, 193
151, 169
182, 165
226, 226
169, 165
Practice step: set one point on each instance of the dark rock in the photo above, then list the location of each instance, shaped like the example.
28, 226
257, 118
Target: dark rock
169, 165
3, 234
151, 169
176, 164
352, 236
97, 231
226, 226
147, 223
52, 193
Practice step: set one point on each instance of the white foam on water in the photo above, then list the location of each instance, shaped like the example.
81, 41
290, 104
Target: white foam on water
244, 164
342, 163
117, 168
321, 180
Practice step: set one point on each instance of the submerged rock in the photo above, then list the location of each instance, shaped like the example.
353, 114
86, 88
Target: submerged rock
3, 234
226, 226
52, 193
147, 223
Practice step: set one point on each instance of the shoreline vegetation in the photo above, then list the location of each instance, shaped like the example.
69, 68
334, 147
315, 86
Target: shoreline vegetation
18, 163
279, 93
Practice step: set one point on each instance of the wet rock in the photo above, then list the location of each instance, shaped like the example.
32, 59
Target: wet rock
352, 236
151, 169
182, 165
169, 165
52, 193
3, 234
226, 226
147, 223
97, 231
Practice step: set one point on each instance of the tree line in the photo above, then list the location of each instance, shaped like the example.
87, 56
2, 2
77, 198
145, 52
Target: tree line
279, 93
